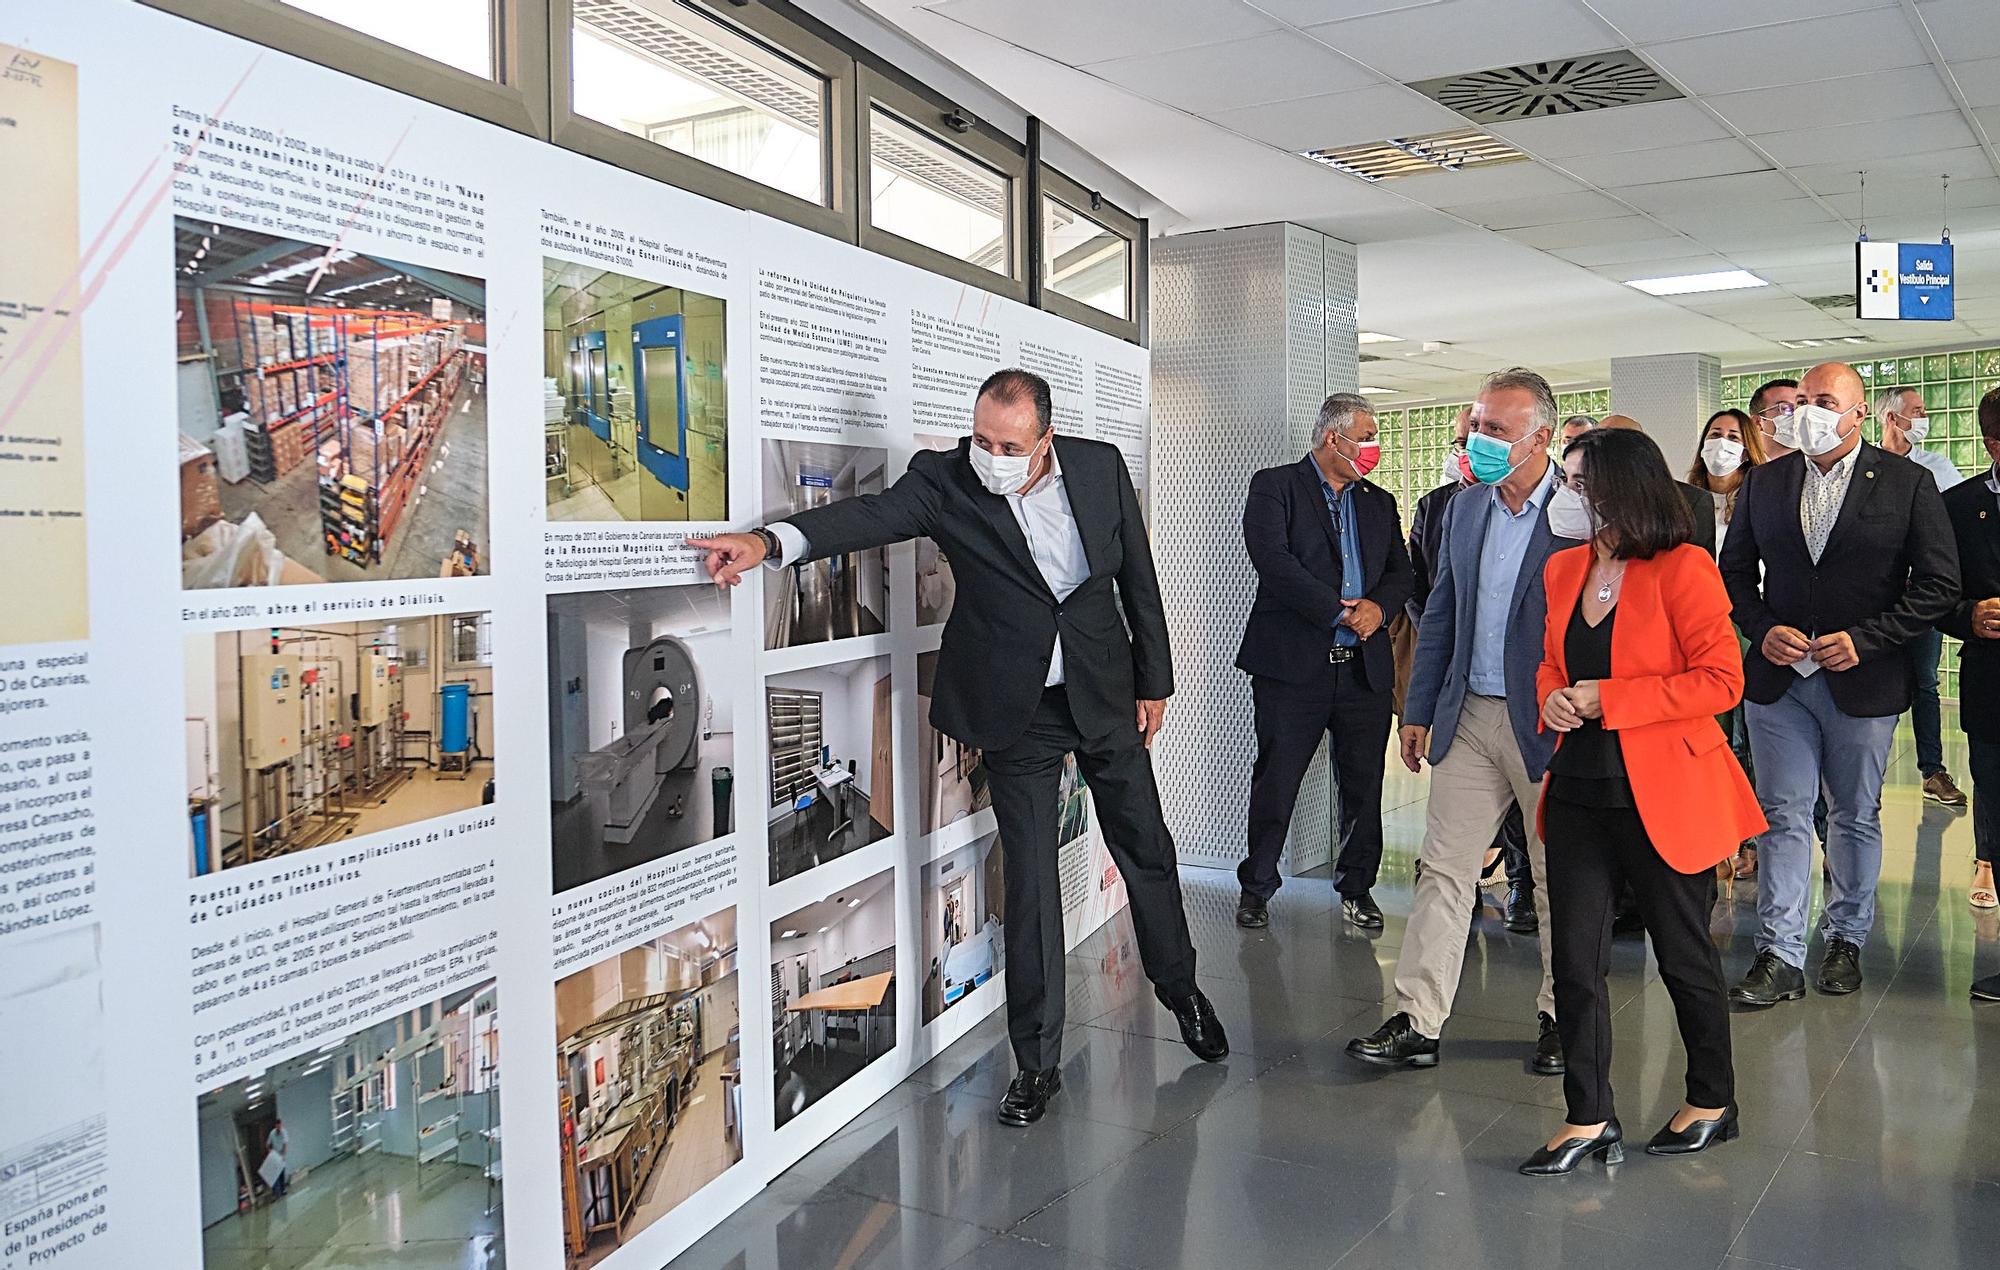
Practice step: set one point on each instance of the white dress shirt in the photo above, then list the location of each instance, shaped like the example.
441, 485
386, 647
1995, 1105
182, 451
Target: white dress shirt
1942, 469
1046, 521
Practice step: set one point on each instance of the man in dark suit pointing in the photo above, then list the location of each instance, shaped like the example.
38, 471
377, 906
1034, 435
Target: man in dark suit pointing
1057, 644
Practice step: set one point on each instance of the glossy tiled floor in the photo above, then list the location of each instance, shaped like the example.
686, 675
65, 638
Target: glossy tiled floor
1872, 1122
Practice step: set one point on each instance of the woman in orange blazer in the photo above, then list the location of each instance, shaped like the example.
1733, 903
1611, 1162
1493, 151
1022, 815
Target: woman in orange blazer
1638, 658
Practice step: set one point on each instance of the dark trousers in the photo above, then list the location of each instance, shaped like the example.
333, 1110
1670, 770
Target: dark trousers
1926, 714
1291, 718
1025, 779
1513, 843
1984, 757
1590, 851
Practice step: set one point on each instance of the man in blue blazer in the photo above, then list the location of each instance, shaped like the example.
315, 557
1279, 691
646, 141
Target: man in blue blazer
1331, 566
1471, 709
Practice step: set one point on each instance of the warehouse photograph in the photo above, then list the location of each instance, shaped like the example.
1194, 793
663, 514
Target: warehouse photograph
301, 736
379, 1148
833, 991
332, 413
832, 787
635, 398
965, 909
642, 727
649, 1079
840, 596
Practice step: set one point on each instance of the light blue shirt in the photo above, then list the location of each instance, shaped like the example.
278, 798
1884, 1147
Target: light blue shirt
1508, 537
1347, 532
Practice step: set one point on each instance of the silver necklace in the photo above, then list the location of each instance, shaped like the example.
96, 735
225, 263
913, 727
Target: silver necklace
1604, 588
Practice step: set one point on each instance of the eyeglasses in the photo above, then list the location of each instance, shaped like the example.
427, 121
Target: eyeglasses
1782, 410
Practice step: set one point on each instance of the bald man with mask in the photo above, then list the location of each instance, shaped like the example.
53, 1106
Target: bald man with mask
1838, 557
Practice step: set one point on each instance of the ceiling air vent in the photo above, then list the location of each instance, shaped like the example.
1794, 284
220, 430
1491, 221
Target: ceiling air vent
1535, 89
1409, 156
1844, 301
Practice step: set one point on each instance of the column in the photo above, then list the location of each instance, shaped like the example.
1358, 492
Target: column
1251, 328
1671, 395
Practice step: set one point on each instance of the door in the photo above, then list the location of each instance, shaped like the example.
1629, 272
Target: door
660, 376
881, 787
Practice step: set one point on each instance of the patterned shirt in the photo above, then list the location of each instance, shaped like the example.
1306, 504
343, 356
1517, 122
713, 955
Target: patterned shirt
1820, 500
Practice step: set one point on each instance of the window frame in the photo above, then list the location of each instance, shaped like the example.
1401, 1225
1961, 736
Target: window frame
515, 97
925, 113
1056, 187
598, 140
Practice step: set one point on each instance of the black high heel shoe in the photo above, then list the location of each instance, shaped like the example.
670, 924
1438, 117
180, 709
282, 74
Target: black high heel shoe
1571, 1152
1698, 1136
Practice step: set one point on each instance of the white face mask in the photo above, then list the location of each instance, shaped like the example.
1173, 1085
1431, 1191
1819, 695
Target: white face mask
1002, 473
1721, 456
1819, 428
1455, 470
1785, 430
1570, 516
1915, 429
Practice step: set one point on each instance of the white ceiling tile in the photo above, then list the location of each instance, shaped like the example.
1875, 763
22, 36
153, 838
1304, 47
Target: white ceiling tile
1626, 253
1676, 163
1649, 21
1708, 191
1499, 181
1752, 238
1591, 233
1340, 119
1263, 68
1962, 28
1311, 12
1892, 94
1790, 52
1643, 127
1750, 213
1552, 209
1397, 222
1897, 194
1468, 35
1989, 119
1861, 143
1842, 178
1671, 267
1073, 33
1978, 79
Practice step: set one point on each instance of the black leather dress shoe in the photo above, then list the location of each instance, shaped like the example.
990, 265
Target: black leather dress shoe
1251, 912
1698, 1136
1610, 1141
1549, 1059
1771, 980
1028, 1097
1519, 916
1200, 1028
1840, 969
1987, 989
1397, 1043
1362, 911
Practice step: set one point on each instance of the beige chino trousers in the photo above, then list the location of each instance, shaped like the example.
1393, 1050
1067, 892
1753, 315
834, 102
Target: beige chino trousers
1470, 792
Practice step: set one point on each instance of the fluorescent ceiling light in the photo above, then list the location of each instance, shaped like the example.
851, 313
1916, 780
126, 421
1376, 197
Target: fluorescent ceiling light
1376, 337
1691, 283
1376, 392
790, 934
854, 903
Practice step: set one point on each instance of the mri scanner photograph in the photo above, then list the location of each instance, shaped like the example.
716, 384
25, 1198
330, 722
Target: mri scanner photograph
641, 727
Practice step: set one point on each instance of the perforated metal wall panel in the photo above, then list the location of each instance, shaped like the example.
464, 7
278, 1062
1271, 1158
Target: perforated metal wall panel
1671, 395
1252, 328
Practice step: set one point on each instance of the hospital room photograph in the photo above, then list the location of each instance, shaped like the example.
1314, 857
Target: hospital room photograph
832, 785
641, 727
649, 1080
300, 736
833, 991
965, 908
838, 597
381, 1148
935, 585
635, 398
954, 778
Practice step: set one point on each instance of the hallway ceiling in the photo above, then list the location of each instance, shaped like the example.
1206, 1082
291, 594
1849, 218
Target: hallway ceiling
1207, 104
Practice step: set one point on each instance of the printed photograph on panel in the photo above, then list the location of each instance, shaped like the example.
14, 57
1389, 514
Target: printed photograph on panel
332, 413
301, 736
832, 787
381, 1148
41, 355
953, 776
635, 398
965, 908
840, 596
649, 1082
833, 991
54, 1151
642, 727
935, 587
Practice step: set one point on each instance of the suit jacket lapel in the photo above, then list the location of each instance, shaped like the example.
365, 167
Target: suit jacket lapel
1790, 490
1540, 546
1571, 595
1001, 518
1859, 487
1092, 498
1312, 491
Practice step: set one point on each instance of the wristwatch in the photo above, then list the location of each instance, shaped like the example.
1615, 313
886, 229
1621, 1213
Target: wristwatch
774, 550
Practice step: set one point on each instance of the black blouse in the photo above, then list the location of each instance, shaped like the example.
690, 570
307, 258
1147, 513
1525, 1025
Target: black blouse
1589, 764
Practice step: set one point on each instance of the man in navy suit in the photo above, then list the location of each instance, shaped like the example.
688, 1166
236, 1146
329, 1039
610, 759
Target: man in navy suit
1331, 565
1471, 708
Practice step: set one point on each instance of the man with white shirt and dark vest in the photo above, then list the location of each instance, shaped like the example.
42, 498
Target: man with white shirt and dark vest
1905, 423
1056, 644
1838, 558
